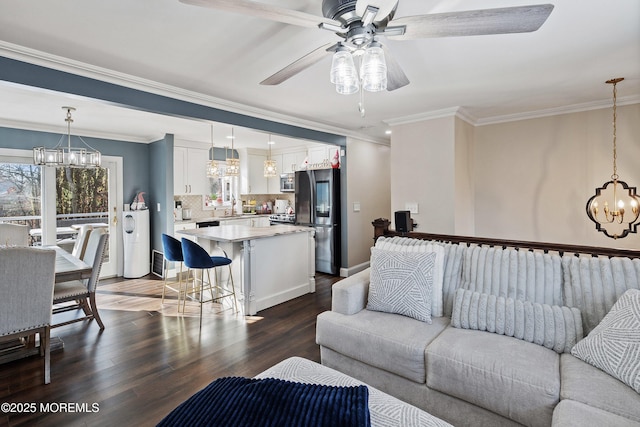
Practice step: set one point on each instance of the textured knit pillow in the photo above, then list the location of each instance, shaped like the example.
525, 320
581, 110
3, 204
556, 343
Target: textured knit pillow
401, 283
554, 327
614, 345
406, 244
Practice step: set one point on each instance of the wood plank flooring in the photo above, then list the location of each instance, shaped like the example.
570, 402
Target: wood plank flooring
149, 359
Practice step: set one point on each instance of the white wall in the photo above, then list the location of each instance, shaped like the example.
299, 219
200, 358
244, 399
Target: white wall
534, 177
521, 180
368, 183
422, 156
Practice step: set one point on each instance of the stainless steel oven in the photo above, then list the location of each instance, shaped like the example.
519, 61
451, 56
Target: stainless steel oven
287, 183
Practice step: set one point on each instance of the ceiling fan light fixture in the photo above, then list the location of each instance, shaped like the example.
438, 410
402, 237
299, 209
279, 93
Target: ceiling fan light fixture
374, 69
343, 72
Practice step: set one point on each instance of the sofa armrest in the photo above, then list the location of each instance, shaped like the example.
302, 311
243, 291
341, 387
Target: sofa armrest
350, 295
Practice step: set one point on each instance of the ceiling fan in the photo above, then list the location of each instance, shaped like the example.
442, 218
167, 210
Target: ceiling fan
359, 23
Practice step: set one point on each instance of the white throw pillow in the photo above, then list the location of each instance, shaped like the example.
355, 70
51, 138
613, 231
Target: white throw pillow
614, 345
406, 244
401, 283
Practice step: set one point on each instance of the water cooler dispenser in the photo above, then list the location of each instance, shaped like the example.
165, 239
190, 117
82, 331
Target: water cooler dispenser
137, 258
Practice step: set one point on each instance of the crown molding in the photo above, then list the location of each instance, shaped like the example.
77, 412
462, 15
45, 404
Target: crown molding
458, 112
568, 109
61, 130
32, 56
465, 115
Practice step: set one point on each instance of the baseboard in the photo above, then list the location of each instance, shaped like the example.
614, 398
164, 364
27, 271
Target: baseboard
346, 272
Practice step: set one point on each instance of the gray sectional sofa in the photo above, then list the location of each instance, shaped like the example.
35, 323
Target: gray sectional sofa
471, 367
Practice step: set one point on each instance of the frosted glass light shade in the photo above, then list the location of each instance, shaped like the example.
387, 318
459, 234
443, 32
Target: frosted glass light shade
374, 69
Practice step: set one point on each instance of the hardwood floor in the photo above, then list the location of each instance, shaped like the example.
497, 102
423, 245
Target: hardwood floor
149, 359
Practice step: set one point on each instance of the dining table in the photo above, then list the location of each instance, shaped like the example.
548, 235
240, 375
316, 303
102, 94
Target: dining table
67, 268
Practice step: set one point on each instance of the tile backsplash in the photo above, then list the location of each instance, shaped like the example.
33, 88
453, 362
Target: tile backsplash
195, 203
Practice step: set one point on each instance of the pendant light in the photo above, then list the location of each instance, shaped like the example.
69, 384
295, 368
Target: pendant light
615, 207
233, 164
83, 157
270, 169
213, 170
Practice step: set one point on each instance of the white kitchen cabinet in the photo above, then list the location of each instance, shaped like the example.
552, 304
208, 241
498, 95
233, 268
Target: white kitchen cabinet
190, 170
291, 161
252, 179
260, 221
273, 183
179, 226
321, 153
236, 221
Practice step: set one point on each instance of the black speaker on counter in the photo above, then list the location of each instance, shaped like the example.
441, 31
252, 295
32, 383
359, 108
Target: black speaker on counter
404, 223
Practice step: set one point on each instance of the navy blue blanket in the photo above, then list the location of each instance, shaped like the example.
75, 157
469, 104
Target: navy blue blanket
237, 401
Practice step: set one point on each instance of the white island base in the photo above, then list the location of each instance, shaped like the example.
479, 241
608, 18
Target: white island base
271, 265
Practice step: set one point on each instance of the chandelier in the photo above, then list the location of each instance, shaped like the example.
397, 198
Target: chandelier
270, 169
213, 169
615, 206
232, 164
83, 157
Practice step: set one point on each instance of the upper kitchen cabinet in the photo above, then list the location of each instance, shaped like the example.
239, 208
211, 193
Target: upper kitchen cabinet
190, 170
321, 153
252, 179
292, 161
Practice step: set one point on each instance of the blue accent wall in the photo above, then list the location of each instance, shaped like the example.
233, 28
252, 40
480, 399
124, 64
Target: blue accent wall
135, 163
161, 186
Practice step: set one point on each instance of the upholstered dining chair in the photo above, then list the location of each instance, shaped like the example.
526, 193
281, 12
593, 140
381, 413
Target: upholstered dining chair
172, 252
14, 234
82, 238
26, 295
197, 258
83, 292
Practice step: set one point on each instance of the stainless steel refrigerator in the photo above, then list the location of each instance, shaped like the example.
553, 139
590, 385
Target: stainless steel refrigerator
318, 205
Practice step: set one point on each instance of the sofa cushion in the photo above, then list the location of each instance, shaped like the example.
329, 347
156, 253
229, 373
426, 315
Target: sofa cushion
513, 378
614, 345
554, 327
387, 341
572, 413
401, 283
587, 384
406, 244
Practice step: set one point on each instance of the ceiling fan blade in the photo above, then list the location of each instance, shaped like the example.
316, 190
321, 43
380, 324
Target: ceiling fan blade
395, 76
301, 64
519, 19
265, 11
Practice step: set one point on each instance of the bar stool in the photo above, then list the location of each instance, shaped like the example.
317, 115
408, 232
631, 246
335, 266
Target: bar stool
172, 252
196, 257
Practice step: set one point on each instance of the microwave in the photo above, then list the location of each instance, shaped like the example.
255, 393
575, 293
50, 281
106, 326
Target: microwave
287, 183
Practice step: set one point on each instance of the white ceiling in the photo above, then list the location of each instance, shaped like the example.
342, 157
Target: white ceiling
218, 58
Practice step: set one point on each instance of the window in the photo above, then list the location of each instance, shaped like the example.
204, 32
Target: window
20, 198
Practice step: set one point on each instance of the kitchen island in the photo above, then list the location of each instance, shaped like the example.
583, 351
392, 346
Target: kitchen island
271, 265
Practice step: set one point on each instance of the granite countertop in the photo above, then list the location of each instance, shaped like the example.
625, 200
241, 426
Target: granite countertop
239, 233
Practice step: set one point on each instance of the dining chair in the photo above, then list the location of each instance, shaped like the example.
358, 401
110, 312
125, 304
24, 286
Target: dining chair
197, 258
26, 295
82, 238
83, 292
172, 252
14, 234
